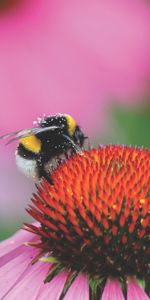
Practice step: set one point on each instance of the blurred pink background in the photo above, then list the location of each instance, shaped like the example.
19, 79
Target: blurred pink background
74, 56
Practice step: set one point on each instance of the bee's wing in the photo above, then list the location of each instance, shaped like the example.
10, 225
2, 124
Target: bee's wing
6, 136
16, 135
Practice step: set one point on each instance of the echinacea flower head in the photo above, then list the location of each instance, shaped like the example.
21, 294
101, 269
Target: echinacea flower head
92, 237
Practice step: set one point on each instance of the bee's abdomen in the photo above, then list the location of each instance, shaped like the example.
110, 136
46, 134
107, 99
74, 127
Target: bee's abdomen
26, 162
26, 154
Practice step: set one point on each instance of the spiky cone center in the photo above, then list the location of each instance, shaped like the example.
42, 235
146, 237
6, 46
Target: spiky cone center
95, 218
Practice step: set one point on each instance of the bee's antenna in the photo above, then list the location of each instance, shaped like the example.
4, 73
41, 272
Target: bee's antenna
74, 146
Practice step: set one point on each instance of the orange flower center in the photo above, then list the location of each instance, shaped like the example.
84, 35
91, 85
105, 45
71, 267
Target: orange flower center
95, 218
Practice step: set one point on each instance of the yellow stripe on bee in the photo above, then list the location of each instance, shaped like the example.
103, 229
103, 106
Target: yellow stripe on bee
71, 125
31, 143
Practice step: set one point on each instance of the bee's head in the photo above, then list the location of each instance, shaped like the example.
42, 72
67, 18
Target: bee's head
74, 131
78, 136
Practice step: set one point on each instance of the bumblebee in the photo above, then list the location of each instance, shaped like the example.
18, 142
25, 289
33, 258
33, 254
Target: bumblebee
41, 149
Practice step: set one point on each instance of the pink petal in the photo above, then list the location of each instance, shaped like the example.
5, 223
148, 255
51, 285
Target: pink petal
30, 283
15, 263
13, 269
112, 291
52, 290
19, 277
79, 289
135, 292
19, 238
15, 245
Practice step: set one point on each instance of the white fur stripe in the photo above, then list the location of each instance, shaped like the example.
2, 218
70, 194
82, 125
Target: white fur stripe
27, 166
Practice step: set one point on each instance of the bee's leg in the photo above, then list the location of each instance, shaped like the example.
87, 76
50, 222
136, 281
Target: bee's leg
46, 176
42, 172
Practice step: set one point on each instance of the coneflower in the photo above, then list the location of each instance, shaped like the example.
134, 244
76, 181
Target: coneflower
92, 237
